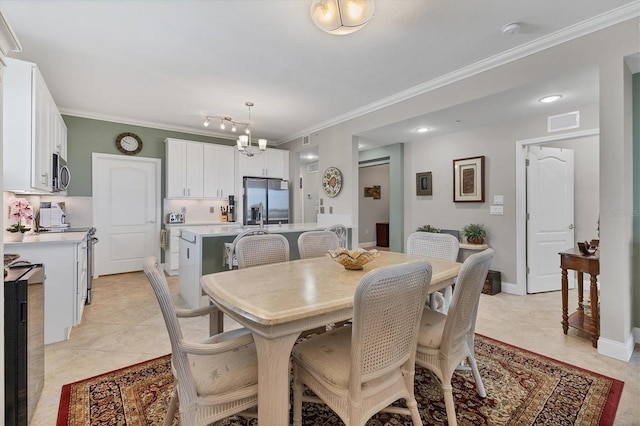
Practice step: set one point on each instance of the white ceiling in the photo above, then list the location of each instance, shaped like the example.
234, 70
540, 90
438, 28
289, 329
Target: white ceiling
168, 64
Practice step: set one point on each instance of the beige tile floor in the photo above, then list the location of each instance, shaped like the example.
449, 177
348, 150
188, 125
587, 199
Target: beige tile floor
123, 326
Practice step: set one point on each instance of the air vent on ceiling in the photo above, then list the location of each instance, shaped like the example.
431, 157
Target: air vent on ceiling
312, 168
570, 120
306, 140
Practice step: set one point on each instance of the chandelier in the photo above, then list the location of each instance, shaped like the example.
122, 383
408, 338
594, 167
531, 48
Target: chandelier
245, 146
341, 17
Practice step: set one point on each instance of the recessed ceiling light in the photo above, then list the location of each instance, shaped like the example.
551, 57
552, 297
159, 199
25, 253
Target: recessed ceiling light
422, 129
549, 99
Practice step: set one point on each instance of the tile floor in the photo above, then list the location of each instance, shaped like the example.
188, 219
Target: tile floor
124, 325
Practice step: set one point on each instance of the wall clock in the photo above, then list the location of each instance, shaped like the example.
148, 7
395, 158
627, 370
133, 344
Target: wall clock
129, 143
332, 182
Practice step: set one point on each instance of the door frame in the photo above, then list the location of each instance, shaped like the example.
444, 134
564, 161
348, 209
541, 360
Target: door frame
97, 156
520, 287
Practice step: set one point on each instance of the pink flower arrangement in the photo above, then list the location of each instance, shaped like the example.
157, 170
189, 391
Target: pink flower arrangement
20, 210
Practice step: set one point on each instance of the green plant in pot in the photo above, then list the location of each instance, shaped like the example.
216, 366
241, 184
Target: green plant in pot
475, 233
428, 228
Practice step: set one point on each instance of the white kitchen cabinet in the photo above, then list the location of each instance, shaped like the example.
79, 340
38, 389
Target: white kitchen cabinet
33, 129
273, 163
184, 169
219, 167
65, 286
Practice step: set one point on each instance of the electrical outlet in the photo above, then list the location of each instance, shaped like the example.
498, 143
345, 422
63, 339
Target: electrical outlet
183, 210
212, 209
331, 209
498, 199
497, 210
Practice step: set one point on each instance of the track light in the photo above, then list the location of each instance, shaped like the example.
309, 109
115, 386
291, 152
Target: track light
222, 126
206, 122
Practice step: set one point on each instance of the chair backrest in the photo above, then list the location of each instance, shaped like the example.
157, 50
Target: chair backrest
179, 359
231, 247
441, 246
387, 308
464, 303
341, 233
256, 250
317, 243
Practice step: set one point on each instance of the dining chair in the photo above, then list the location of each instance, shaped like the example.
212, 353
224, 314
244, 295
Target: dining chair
341, 232
444, 341
440, 246
214, 378
359, 369
317, 243
258, 250
229, 256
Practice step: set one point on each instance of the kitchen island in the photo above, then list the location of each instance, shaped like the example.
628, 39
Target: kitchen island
202, 252
64, 258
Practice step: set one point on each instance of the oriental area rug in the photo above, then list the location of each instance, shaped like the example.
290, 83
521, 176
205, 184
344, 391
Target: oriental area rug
523, 388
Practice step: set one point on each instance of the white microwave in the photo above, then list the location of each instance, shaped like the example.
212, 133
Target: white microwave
61, 174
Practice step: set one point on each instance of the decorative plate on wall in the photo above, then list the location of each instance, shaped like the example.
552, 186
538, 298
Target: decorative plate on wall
332, 181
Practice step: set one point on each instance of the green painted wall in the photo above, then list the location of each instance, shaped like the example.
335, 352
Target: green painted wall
636, 199
85, 136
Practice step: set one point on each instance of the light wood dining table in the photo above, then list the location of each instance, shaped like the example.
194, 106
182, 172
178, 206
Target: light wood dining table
279, 301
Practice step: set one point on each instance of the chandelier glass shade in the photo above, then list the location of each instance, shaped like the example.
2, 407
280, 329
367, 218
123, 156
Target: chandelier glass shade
341, 17
245, 146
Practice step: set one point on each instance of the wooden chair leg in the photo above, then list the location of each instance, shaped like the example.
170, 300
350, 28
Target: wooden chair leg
297, 399
450, 405
171, 409
476, 376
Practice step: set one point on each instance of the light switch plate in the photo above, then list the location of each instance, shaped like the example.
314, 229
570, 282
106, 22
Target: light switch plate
498, 199
497, 210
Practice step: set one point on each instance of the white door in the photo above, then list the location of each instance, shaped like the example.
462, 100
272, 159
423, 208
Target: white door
550, 215
126, 212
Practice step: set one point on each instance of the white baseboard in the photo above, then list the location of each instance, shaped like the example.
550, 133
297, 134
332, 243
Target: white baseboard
369, 244
617, 350
510, 288
636, 334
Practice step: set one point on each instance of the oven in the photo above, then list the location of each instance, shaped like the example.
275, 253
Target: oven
61, 175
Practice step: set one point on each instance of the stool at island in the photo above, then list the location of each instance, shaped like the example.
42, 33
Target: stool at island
589, 322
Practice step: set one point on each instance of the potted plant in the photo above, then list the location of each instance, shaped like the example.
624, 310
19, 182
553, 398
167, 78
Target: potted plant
475, 233
428, 228
20, 211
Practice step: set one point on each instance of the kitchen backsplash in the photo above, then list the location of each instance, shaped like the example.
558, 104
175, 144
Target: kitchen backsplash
196, 211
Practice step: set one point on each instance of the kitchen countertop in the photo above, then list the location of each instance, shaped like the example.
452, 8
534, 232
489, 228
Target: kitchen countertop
48, 238
221, 231
202, 224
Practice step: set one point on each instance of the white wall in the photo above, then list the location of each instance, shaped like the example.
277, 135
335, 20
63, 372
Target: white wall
372, 211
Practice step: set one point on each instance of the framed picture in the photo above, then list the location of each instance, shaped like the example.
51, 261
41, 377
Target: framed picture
372, 191
424, 184
468, 179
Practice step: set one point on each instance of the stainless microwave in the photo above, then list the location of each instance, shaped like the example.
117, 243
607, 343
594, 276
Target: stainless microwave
61, 174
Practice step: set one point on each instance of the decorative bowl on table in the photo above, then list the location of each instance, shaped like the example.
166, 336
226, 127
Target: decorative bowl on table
353, 259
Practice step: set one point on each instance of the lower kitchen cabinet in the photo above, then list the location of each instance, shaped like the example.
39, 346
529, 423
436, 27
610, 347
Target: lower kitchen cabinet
65, 288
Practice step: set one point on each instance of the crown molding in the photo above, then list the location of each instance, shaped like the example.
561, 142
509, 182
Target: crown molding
613, 17
140, 123
8, 39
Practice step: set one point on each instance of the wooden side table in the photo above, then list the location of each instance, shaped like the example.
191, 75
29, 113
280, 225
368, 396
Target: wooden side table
576, 261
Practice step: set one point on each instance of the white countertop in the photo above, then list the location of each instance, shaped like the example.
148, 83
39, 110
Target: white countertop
48, 238
166, 224
221, 231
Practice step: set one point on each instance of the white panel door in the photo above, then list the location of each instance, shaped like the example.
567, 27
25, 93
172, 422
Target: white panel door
550, 215
126, 212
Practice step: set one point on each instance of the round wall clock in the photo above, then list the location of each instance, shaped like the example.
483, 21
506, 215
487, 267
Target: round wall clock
332, 181
129, 143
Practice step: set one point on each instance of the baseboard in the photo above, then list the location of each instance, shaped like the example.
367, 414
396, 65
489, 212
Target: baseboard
636, 334
617, 350
369, 244
510, 288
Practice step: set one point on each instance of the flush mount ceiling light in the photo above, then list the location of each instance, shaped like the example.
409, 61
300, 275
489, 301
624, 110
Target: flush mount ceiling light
511, 28
245, 146
341, 17
422, 129
549, 99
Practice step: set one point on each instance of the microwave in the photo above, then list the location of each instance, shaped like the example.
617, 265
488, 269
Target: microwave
61, 175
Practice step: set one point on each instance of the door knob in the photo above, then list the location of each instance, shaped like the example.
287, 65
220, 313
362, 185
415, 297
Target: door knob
571, 226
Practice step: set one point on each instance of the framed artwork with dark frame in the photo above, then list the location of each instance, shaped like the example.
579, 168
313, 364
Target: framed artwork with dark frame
424, 183
468, 179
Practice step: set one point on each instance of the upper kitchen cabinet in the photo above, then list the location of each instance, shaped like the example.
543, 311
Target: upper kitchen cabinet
219, 168
199, 170
33, 129
273, 163
184, 169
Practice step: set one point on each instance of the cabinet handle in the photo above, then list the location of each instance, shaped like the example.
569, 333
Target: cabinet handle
222, 193
184, 191
188, 191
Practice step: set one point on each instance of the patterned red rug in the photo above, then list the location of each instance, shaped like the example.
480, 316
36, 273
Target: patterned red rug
523, 388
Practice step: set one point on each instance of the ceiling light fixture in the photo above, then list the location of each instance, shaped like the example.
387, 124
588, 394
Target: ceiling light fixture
222, 126
511, 28
422, 129
341, 17
206, 123
245, 145
549, 99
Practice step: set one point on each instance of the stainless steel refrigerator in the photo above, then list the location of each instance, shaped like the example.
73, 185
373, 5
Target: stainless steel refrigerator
266, 198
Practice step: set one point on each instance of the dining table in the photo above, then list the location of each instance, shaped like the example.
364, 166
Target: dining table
278, 301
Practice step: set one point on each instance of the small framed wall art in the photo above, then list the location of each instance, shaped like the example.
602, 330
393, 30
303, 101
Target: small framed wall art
424, 183
468, 179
